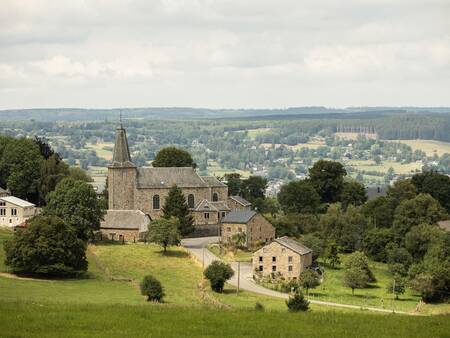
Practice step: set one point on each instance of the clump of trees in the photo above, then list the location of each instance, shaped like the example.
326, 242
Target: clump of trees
218, 273
152, 289
173, 157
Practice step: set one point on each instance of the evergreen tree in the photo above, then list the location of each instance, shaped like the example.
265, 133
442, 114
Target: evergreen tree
176, 206
297, 302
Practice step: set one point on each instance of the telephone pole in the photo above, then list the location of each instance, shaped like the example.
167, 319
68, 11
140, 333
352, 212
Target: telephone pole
238, 277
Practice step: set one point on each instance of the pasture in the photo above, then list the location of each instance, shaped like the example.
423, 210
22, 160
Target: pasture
430, 147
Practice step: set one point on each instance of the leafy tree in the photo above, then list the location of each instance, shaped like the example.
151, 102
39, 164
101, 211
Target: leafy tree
77, 204
298, 197
353, 193
234, 182
254, 188
397, 286
435, 184
164, 232
331, 254
297, 302
239, 239
51, 172
173, 157
315, 243
355, 278
79, 174
421, 209
379, 212
218, 273
295, 224
328, 179
399, 259
423, 283
48, 247
375, 241
420, 238
401, 190
308, 279
46, 150
152, 288
176, 206
359, 261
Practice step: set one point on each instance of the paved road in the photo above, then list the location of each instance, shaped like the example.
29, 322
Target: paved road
197, 247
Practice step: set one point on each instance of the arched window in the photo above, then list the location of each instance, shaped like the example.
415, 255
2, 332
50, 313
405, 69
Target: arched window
156, 202
191, 201
215, 197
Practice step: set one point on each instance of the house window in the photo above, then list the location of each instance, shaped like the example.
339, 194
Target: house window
260, 268
260, 258
2, 203
274, 268
156, 202
290, 268
191, 201
290, 259
3, 212
14, 212
215, 197
274, 259
206, 215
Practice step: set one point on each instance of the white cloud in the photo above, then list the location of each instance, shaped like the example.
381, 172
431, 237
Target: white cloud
223, 53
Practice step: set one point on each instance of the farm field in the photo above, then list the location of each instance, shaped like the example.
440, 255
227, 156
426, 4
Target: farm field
215, 169
429, 146
99, 148
399, 168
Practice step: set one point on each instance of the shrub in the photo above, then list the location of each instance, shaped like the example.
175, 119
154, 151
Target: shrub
309, 279
218, 273
259, 307
297, 302
152, 288
48, 247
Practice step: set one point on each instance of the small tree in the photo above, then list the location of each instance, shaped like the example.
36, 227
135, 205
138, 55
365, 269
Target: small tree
359, 261
238, 240
331, 255
218, 273
355, 279
297, 302
398, 288
152, 288
164, 232
309, 279
176, 206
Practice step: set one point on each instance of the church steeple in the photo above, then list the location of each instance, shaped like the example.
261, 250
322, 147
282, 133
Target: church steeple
121, 155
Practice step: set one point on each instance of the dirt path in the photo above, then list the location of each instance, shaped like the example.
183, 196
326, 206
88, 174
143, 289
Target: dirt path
13, 276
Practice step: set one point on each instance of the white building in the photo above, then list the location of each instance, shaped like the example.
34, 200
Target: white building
15, 211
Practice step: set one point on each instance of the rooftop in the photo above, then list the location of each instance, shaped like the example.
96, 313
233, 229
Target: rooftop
126, 219
242, 201
239, 216
17, 201
167, 177
293, 245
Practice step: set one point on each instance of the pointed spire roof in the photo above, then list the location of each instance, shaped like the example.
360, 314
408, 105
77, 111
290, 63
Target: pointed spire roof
121, 155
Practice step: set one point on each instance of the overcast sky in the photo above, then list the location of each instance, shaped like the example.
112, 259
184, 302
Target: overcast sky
243, 53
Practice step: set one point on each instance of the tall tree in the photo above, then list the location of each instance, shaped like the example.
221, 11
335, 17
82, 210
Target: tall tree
234, 182
328, 179
77, 204
176, 206
254, 188
435, 184
353, 193
298, 197
173, 157
51, 172
164, 232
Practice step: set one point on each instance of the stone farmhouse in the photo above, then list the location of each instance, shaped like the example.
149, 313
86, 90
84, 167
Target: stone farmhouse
283, 257
256, 228
144, 189
15, 211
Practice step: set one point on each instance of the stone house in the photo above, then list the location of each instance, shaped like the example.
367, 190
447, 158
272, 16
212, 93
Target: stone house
124, 225
238, 202
256, 228
283, 257
145, 189
15, 211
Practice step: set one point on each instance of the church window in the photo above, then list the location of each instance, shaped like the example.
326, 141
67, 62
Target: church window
206, 215
156, 202
215, 197
191, 201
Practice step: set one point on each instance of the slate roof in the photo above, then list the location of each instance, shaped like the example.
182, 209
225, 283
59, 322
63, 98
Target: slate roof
17, 201
126, 219
293, 245
239, 216
121, 154
242, 201
165, 177
212, 181
205, 205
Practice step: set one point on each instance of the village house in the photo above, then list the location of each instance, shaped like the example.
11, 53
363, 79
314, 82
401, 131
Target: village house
124, 225
256, 228
15, 211
238, 202
283, 257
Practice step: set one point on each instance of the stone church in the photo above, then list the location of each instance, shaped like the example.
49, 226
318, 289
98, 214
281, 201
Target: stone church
137, 195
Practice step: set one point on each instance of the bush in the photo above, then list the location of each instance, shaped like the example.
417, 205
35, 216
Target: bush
259, 307
309, 279
359, 261
297, 302
47, 247
152, 288
218, 273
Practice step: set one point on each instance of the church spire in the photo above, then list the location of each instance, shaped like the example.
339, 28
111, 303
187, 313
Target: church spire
121, 155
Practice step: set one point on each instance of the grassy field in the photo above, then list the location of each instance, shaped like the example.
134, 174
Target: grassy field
430, 147
99, 148
98, 306
216, 170
399, 168
230, 256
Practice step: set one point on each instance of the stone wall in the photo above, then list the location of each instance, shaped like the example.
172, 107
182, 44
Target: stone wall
129, 235
259, 230
121, 188
282, 261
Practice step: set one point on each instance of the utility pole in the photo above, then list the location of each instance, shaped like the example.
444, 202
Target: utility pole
238, 277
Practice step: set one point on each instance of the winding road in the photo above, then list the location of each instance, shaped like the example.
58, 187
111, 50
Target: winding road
198, 248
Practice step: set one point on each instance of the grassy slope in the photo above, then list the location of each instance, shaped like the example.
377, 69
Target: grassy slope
229, 256
428, 146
